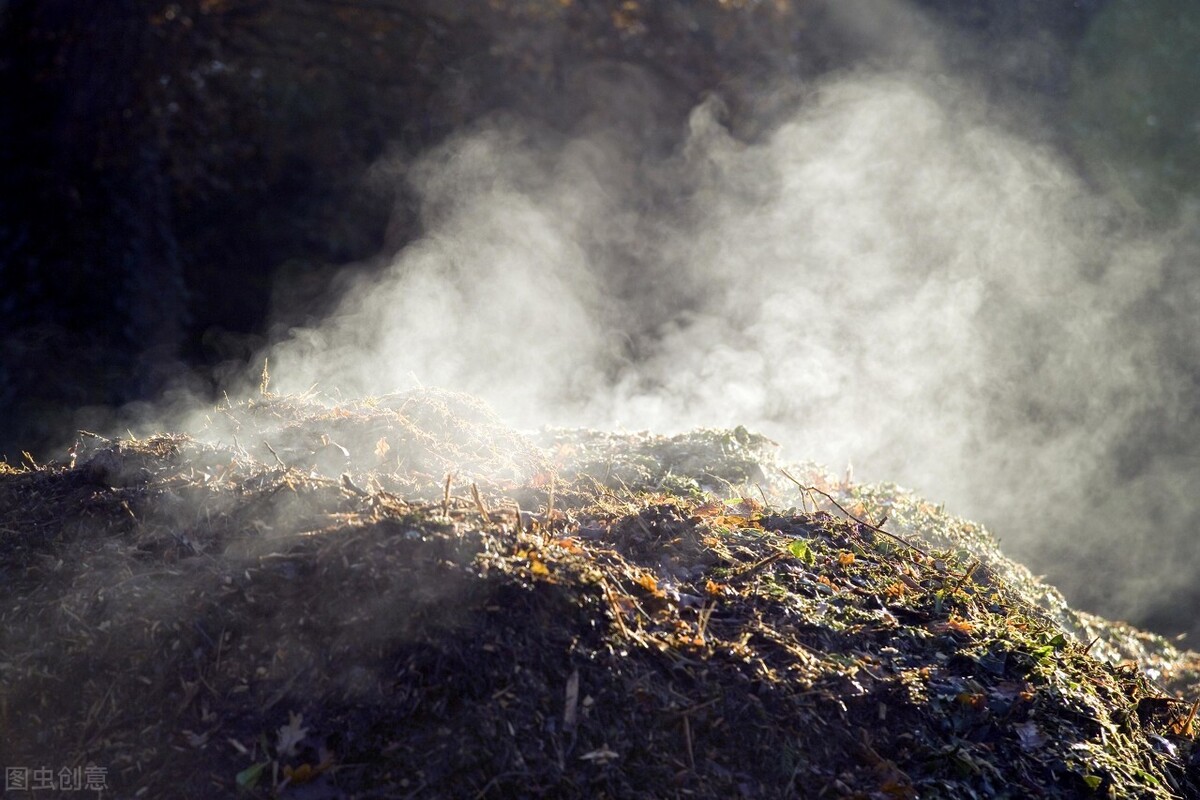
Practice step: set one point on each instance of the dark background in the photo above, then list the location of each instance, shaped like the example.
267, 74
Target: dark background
165, 166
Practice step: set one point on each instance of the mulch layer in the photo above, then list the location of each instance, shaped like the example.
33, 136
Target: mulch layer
403, 597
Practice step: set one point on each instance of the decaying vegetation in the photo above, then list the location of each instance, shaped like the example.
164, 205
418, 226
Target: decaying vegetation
402, 597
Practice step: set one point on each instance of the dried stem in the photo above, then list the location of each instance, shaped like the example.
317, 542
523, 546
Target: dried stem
479, 504
864, 523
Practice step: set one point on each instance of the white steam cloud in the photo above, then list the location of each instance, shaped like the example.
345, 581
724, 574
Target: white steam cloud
890, 276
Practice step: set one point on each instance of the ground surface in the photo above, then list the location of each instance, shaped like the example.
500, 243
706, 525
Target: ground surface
402, 597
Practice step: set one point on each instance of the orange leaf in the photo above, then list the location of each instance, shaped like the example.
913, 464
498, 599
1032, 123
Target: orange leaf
1186, 726
301, 774
649, 583
955, 624
972, 699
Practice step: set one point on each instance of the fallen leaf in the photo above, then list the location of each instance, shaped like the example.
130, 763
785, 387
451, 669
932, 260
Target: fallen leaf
301, 774
1186, 726
290, 735
899, 788
955, 624
800, 549
571, 708
248, 778
649, 583
1030, 737
975, 700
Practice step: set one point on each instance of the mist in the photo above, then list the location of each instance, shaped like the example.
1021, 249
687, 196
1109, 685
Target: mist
892, 268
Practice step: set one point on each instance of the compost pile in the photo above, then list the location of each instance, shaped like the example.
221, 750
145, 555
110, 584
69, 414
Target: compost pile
403, 597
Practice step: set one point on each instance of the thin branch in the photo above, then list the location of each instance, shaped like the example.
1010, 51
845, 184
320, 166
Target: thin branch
487, 518
865, 524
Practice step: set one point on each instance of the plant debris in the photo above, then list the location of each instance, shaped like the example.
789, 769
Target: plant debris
402, 597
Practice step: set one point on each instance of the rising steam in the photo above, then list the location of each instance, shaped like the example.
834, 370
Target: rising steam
890, 275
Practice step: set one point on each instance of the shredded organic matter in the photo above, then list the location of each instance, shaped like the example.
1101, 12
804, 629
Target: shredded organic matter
402, 597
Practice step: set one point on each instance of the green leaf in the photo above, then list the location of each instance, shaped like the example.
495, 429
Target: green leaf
1147, 777
248, 778
1093, 781
800, 549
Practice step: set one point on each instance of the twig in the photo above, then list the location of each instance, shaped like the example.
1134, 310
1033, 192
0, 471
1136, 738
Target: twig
703, 617
479, 503
446, 496
757, 565
1186, 728
238, 445
612, 604
687, 734
278, 460
349, 484
974, 565
692, 709
865, 524
220, 647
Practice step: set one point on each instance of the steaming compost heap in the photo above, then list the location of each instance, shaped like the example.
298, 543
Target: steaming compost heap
402, 597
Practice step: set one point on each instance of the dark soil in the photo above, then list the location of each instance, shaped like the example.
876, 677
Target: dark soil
404, 598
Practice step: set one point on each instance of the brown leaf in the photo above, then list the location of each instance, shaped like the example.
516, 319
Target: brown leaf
1030, 737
